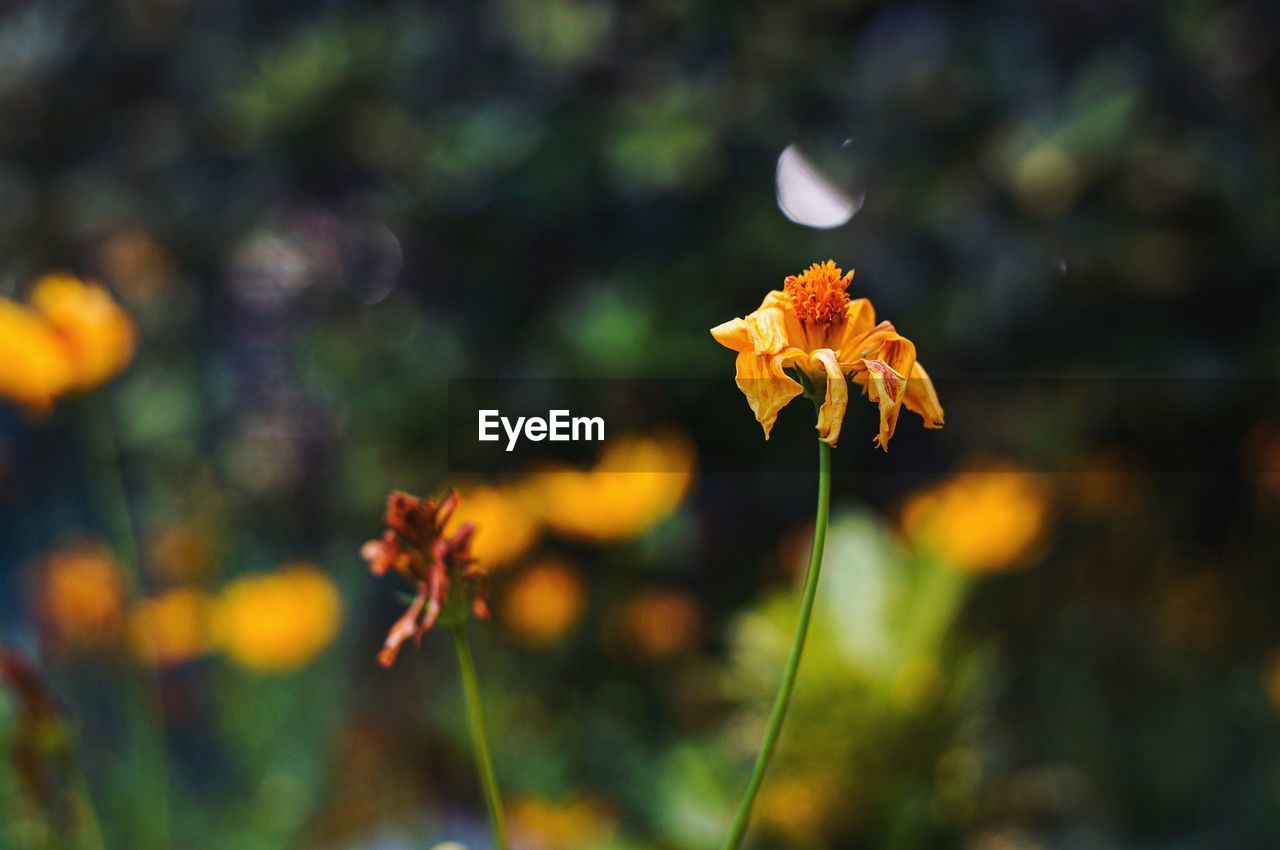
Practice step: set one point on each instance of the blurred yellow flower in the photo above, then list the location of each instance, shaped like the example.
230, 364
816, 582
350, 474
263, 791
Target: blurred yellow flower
637, 482
34, 367
171, 628
74, 336
659, 624
543, 602
538, 824
277, 621
812, 330
506, 525
99, 335
80, 595
799, 808
981, 520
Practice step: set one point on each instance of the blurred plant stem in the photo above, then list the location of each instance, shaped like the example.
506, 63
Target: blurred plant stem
111, 497
779, 712
479, 734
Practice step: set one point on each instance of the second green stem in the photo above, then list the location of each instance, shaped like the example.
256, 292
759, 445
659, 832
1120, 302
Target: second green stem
781, 701
480, 735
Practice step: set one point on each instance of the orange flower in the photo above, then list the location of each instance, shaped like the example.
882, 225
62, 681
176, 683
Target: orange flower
982, 520
73, 336
34, 367
544, 602
172, 628
660, 624
98, 334
450, 585
280, 620
505, 510
81, 596
808, 338
638, 482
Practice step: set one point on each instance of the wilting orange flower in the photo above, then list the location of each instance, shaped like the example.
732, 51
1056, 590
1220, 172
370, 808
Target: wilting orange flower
982, 520
73, 336
277, 621
811, 330
450, 584
637, 482
171, 628
543, 602
81, 594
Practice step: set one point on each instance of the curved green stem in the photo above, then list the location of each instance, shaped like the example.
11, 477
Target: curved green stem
780, 702
480, 735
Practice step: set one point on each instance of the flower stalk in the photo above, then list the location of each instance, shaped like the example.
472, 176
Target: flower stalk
780, 703
479, 734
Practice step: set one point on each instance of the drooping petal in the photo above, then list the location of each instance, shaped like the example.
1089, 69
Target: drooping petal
405, 627
766, 385
886, 388
831, 414
922, 398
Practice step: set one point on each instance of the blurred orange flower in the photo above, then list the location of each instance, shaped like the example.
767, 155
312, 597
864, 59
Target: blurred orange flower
507, 526
415, 545
638, 482
80, 595
543, 602
277, 621
799, 808
73, 336
981, 520
172, 628
539, 824
660, 624
34, 366
812, 330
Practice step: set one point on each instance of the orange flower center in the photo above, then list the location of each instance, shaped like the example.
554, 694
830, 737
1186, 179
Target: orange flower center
819, 293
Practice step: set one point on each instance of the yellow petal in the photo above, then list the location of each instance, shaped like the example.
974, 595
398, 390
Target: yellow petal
35, 365
886, 388
767, 387
922, 399
831, 414
860, 319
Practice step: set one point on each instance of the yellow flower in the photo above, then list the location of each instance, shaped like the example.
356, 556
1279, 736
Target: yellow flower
171, 628
98, 334
812, 330
539, 824
72, 337
34, 367
81, 594
659, 624
638, 482
277, 621
544, 602
506, 524
981, 520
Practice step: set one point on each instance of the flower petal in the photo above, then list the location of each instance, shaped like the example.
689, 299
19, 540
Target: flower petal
922, 398
886, 388
831, 414
767, 387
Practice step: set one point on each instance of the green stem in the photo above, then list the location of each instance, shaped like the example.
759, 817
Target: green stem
780, 702
480, 735
145, 698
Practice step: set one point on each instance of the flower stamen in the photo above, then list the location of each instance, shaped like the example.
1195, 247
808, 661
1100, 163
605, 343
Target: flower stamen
819, 293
